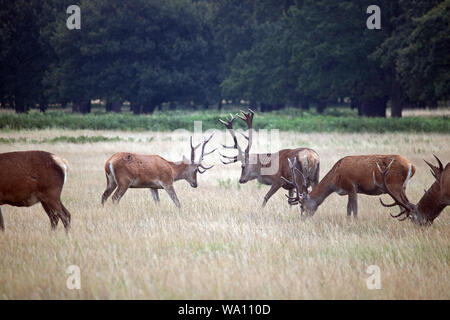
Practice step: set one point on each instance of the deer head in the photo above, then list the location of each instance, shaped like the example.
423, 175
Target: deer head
249, 168
308, 206
429, 206
194, 167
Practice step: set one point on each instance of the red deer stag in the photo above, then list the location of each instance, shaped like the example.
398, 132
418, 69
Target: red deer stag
352, 175
29, 177
432, 203
253, 165
130, 170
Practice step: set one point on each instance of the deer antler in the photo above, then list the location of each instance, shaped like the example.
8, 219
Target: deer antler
202, 154
435, 171
229, 125
406, 208
248, 118
293, 183
193, 151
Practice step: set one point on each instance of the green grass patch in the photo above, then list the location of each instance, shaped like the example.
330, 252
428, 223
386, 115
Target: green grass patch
286, 120
66, 139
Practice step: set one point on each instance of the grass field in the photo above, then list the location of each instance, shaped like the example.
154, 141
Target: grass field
335, 119
221, 245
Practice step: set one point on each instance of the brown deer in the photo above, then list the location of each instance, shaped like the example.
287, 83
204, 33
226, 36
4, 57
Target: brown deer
349, 176
29, 177
130, 170
432, 203
254, 165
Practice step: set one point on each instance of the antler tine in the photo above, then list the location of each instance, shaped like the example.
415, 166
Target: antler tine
248, 118
229, 125
441, 167
435, 171
193, 150
228, 157
204, 168
202, 154
228, 162
406, 209
293, 183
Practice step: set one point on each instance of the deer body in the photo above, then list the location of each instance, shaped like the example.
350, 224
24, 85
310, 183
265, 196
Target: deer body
130, 170
29, 177
352, 175
261, 166
309, 165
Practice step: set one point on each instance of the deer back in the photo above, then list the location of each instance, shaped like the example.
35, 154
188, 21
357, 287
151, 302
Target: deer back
140, 168
25, 176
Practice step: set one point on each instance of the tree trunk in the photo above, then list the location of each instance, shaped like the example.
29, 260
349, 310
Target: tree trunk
396, 107
398, 98
375, 107
20, 105
321, 106
113, 106
148, 108
304, 104
356, 104
136, 108
83, 107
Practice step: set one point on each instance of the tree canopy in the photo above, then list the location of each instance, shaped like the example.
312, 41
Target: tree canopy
195, 53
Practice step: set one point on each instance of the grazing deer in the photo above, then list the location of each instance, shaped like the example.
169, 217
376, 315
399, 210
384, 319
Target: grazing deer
349, 176
130, 170
253, 165
432, 203
29, 177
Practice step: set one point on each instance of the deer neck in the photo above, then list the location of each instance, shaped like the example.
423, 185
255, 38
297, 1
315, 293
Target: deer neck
179, 170
323, 189
430, 205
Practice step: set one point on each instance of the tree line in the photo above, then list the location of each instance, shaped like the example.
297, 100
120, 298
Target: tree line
198, 53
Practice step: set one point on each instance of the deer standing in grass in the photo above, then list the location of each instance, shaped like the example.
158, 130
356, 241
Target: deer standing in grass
432, 203
29, 177
349, 176
253, 165
130, 170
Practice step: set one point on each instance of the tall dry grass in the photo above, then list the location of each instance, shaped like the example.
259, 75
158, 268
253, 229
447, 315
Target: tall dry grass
221, 245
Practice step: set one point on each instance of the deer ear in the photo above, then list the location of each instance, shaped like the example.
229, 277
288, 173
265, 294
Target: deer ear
185, 160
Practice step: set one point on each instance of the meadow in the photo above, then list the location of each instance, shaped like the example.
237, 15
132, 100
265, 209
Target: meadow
221, 244
334, 119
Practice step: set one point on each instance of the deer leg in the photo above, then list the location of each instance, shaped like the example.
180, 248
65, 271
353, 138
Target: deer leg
67, 216
51, 215
171, 191
110, 186
352, 204
2, 224
120, 191
55, 209
155, 195
274, 188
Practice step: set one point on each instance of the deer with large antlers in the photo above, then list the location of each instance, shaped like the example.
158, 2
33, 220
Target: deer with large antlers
29, 177
349, 176
432, 203
257, 166
130, 170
